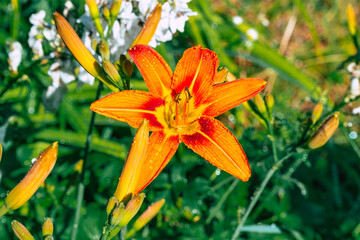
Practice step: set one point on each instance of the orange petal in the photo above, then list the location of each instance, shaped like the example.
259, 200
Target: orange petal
218, 145
160, 150
130, 106
155, 71
196, 70
228, 95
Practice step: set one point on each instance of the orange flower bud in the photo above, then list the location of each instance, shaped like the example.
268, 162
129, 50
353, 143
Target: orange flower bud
269, 101
351, 18
111, 71
32, 181
117, 214
80, 52
20, 231
131, 209
47, 228
111, 204
316, 113
149, 28
325, 131
221, 75
260, 104
132, 168
149, 214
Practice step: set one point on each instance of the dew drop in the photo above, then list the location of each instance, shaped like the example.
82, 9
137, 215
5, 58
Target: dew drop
353, 135
33, 160
217, 172
349, 124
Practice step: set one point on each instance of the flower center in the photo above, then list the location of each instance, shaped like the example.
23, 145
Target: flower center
180, 113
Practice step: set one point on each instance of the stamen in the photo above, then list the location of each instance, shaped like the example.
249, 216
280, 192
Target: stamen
187, 94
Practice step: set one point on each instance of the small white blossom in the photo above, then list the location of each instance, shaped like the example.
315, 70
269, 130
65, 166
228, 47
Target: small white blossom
264, 21
15, 56
356, 110
354, 70
252, 34
355, 88
68, 6
237, 20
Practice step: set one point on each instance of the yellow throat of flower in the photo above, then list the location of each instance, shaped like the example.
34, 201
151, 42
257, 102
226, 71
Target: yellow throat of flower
180, 113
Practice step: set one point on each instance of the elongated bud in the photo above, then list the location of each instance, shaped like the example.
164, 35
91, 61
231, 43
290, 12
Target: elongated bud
32, 181
94, 44
325, 131
260, 104
132, 168
111, 204
128, 68
80, 52
106, 13
114, 10
316, 113
269, 99
104, 50
47, 228
79, 166
20, 231
117, 214
351, 18
1, 150
149, 28
131, 209
149, 214
221, 75
94, 13
111, 71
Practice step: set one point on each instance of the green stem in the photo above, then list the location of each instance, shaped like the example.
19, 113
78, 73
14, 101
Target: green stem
257, 195
273, 142
222, 200
81, 187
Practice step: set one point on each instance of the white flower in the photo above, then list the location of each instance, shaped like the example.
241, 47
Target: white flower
179, 15
37, 19
355, 88
15, 55
58, 74
252, 34
85, 77
237, 20
354, 70
356, 110
68, 6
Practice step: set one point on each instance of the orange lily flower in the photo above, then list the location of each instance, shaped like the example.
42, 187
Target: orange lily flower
181, 107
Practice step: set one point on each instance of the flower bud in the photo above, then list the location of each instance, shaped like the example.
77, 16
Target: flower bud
47, 228
94, 13
1, 150
127, 67
20, 231
114, 10
80, 52
117, 214
221, 75
32, 181
79, 166
111, 71
94, 44
104, 50
149, 28
149, 214
111, 204
131, 209
316, 113
351, 18
106, 13
260, 104
325, 131
269, 99
134, 161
